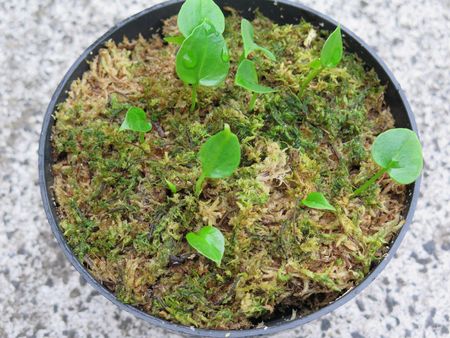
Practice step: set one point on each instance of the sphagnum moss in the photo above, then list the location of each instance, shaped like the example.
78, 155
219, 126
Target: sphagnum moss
129, 229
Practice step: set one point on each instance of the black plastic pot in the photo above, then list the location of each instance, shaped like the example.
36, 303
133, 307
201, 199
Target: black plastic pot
147, 23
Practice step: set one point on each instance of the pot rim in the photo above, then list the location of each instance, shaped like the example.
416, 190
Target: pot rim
182, 329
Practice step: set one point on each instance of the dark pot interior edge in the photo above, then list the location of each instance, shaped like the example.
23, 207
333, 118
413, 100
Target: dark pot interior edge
44, 173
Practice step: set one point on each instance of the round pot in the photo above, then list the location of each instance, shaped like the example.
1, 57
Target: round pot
149, 22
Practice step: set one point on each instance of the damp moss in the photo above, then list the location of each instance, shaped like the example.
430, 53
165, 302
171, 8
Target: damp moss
129, 230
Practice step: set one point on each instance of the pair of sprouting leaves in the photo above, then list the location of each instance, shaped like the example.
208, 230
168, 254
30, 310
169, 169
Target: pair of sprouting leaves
219, 156
203, 58
246, 75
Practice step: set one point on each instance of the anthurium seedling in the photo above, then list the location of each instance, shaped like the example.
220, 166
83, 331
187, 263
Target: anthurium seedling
399, 153
317, 200
330, 56
246, 77
203, 58
219, 156
248, 36
136, 120
209, 242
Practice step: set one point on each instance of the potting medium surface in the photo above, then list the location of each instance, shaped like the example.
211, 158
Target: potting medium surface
42, 295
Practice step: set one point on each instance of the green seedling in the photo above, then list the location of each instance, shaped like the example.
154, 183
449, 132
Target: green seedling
330, 56
398, 152
317, 200
194, 12
203, 59
136, 120
219, 156
172, 187
246, 77
248, 35
209, 242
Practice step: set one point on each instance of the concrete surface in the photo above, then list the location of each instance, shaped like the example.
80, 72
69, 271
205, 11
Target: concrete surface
41, 295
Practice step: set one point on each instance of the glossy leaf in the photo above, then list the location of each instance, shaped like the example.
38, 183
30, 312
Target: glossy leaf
209, 242
246, 77
203, 57
194, 12
248, 35
317, 200
136, 120
220, 155
332, 50
399, 151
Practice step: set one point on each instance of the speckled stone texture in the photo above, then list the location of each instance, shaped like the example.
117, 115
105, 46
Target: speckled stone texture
41, 295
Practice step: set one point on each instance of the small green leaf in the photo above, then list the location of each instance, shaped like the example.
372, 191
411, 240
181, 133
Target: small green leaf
246, 77
172, 187
194, 12
250, 46
332, 50
203, 57
177, 40
220, 156
400, 153
317, 200
136, 120
208, 241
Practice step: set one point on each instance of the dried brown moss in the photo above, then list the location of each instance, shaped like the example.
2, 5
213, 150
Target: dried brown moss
129, 230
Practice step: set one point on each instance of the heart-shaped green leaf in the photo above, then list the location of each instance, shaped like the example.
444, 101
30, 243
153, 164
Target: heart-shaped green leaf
194, 12
136, 120
317, 200
203, 57
208, 241
247, 78
332, 50
248, 35
399, 151
220, 156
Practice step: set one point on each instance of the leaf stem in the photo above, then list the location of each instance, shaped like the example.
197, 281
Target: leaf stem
371, 181
242, 57
312, 74
193, 97
199, 184
251, 105
141, 137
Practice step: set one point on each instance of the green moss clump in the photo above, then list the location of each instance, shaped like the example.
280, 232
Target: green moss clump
129, 230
